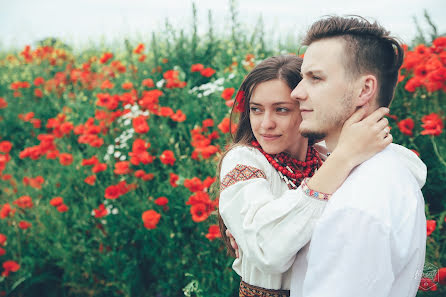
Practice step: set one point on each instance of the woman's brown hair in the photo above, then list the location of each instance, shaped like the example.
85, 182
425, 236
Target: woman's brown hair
285, 68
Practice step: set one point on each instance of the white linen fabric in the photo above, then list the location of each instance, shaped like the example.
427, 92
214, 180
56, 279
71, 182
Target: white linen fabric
270, 222
371, 237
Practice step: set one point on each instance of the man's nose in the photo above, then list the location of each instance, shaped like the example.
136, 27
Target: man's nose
299, 92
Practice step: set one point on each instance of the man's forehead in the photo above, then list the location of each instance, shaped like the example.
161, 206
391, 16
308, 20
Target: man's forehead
320, 53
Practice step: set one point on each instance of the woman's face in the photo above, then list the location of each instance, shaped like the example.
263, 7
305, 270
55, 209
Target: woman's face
275, 118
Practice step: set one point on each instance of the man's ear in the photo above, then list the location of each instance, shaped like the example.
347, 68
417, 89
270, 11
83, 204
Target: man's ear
367, 90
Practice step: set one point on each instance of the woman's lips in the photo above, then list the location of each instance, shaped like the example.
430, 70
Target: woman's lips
269, 137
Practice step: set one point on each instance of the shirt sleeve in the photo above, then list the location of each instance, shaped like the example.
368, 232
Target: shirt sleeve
268, 229
350, 256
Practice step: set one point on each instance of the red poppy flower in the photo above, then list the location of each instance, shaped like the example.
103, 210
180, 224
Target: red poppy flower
427, 284
122, 167
240, 99
3, 239
166, 111
406, 126
161, 201
127, 85
150, 219
92, 161
208, 123
101, 211
6, 211
194, 184
5, 146
173, 179
62, 208
432, 124
140, 124
441, 276
431, 225
148, 82
90, 180
199, 212
10, 266
208, 182
227, 93
213, 232
439, 44
200, 197
224, 126
34, 182
3, 103
24, 202
112, 192
56, 201
413, 83
167, 157
139, 49
99, 167
179, 116
24, 225
65, 159
2, 251
38, 81
66, 127
106, 84
105, 57
38, 93
196, 67
207, 72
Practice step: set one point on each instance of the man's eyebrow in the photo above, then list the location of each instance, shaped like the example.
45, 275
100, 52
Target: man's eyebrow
311, 72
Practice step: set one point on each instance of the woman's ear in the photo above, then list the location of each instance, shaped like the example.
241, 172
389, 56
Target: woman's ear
367, 89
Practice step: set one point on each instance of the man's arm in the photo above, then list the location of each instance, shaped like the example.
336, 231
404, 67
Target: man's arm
349, 255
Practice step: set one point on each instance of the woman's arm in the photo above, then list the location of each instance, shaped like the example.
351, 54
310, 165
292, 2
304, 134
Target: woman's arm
269, 228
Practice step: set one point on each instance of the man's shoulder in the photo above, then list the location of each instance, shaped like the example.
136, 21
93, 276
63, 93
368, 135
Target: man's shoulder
382, 187
385, 167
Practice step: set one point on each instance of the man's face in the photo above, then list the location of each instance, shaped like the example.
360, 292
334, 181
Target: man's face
325, 92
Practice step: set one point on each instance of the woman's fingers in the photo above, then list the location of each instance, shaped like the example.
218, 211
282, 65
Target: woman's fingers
233, 242
384, 132
377, 115
357, 116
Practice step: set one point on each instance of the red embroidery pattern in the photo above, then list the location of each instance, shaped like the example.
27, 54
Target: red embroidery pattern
241, 173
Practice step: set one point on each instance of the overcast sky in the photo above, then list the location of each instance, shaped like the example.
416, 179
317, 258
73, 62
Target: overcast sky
76, 22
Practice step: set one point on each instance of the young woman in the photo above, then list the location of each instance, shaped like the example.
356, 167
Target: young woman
273, 186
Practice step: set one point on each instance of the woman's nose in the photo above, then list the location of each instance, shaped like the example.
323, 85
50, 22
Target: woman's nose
268, 121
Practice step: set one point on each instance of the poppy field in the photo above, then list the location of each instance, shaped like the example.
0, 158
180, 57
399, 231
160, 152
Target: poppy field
108, 156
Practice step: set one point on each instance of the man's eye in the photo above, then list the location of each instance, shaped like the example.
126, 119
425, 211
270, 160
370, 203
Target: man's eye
282, 109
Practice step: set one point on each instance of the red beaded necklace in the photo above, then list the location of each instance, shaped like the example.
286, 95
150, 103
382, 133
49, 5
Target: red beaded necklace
291, 170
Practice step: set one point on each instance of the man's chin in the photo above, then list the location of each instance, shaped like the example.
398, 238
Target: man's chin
313, 136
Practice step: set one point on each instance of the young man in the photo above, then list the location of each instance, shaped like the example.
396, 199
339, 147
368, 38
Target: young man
370, 240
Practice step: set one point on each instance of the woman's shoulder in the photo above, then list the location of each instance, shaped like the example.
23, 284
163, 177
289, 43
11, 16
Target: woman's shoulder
243, 155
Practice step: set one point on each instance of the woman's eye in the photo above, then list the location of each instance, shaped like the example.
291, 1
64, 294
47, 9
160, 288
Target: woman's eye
315, 78
254, 109
282, 109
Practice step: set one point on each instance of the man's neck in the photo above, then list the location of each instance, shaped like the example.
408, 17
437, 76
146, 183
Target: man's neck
331, 140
